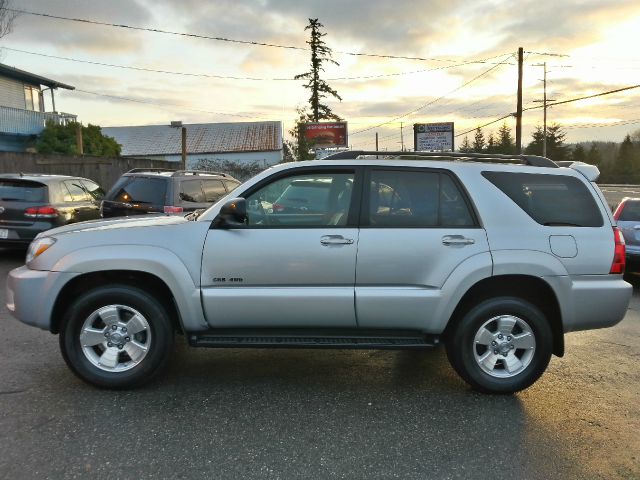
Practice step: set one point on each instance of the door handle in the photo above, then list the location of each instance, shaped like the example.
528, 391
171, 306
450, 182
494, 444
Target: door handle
335, 240
455, 240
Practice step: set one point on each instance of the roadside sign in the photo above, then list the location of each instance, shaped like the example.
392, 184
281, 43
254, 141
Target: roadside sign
433, 137
326, 134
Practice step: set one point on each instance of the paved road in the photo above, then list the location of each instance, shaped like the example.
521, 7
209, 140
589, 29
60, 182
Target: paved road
615, 193
320, 414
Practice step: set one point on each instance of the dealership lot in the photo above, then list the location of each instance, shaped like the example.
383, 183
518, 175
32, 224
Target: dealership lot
320, 414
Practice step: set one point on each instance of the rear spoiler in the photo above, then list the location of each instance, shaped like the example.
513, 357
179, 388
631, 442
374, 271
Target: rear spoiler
591, 172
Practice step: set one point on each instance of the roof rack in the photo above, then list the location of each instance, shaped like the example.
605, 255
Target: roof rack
199, 172
150, 170
533, 160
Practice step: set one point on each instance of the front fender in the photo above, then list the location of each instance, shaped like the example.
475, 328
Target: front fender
156, 261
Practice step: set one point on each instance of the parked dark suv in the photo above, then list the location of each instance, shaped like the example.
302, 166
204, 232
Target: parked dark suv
141, 191
33, 203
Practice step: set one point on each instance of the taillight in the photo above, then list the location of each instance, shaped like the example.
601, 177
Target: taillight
41, 212
171, 209
277, 207
619, 253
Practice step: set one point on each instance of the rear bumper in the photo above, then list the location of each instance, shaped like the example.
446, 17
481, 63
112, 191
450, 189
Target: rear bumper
591, 301
23, 235
31, 294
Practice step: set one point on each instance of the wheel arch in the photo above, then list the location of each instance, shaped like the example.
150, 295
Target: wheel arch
145, 281
529, 288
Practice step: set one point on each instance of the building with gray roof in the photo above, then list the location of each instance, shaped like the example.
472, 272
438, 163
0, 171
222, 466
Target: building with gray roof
240, 142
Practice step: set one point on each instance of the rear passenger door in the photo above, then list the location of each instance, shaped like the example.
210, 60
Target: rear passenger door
417, 226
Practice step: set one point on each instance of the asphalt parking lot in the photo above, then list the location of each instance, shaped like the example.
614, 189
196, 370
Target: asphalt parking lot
320, 414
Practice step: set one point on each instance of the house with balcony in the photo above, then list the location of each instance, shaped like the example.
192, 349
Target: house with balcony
22, 107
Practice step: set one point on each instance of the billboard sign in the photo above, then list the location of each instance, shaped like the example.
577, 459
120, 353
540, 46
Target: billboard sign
433, 137
326, 134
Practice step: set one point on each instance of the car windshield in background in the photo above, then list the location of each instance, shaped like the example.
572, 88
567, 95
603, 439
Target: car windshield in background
22, 191
139, 190
630, 212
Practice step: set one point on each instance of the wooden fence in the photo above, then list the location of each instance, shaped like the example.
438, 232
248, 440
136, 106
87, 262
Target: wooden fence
104, 170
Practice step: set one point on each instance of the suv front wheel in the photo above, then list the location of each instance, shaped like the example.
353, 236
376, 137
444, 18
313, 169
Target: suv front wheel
116, 336
502, 345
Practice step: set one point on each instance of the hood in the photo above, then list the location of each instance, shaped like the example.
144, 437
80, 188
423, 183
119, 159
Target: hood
116, 223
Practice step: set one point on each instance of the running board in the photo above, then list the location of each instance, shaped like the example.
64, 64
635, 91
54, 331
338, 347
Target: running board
309, 341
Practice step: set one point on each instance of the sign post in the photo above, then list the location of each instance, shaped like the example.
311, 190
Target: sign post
433, 137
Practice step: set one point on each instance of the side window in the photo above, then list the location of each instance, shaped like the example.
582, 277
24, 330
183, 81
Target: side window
76, 191
550, 200
416, 199
93, 189
310, 200
191, 191
213, 190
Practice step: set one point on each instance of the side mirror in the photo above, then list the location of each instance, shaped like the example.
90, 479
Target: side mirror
232, 214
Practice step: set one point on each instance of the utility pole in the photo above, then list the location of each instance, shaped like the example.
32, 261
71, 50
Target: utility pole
376, 141
79, 145
544, 105
519, 104
184, 148
401, 138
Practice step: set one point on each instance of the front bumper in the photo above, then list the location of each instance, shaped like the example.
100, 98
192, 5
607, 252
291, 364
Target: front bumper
31, 294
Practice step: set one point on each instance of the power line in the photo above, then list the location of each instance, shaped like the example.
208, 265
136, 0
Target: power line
147, 102
605, 124
421, 107
228, 77
552, 104
486, 124
141, 69
224, 39
587, 97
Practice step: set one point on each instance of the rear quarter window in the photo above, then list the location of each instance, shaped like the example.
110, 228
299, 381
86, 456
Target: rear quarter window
551, 200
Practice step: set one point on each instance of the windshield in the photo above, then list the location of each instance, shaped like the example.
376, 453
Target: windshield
22, 191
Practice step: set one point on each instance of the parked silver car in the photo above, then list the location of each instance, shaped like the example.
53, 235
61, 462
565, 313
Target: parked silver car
495, 256
627, 214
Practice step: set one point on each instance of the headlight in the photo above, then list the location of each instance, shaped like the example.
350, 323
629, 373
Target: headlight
38, 247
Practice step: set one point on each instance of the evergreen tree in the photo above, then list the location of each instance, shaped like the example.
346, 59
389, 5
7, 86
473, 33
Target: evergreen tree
594, 157
478, 141
492, 147
579, 154
506, 144
466, 146
319, 88
556, 149
625, 161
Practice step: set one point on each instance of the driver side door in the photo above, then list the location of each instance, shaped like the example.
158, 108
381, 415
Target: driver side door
293, 264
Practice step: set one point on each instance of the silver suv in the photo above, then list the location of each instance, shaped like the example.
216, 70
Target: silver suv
495, 256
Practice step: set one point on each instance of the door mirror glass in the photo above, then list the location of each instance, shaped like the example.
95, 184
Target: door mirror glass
232, 214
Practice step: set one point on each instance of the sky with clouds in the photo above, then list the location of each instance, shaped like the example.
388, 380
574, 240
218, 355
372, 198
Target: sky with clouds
599, 38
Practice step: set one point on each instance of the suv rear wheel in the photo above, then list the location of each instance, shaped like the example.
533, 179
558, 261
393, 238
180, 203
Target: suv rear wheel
502, 345
116, 336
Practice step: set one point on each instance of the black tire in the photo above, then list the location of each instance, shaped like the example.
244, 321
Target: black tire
461, 345
159, 325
